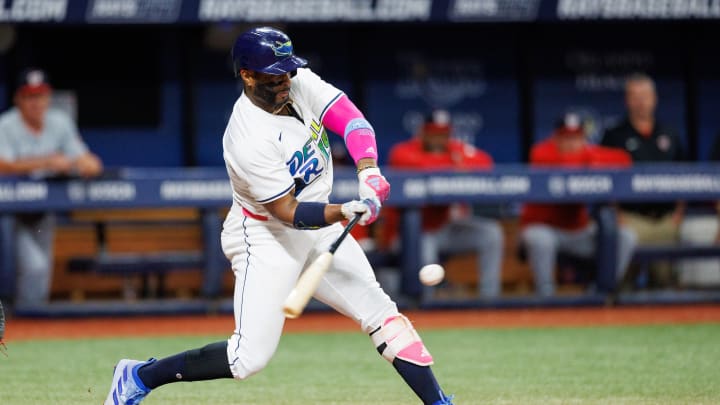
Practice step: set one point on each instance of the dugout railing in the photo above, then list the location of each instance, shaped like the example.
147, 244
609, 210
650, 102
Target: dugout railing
208, 191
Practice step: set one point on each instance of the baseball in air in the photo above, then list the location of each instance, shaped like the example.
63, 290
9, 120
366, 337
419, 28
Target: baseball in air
431, 274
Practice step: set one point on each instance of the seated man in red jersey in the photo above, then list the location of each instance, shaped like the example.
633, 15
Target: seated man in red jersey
548, 229
450, 229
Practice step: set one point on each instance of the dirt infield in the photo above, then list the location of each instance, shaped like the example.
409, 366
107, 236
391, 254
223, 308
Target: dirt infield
23, 329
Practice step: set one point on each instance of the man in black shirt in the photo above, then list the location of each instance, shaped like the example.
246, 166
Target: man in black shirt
648, 140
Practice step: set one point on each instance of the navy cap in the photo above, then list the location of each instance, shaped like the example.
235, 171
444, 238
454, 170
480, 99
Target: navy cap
266, 50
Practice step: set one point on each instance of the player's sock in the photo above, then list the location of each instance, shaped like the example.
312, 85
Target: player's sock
421, 379
207, 363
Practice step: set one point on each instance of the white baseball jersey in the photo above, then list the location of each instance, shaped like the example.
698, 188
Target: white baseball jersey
266, 155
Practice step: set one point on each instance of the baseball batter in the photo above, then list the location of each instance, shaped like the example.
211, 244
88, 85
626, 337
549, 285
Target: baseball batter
278, 159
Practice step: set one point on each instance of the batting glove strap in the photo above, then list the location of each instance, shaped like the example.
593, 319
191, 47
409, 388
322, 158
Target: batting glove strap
369, 210
371, 183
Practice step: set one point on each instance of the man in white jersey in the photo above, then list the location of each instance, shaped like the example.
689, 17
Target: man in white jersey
38, 141
278, 159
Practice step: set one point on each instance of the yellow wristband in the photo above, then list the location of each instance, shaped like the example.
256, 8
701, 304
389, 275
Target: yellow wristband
359, 169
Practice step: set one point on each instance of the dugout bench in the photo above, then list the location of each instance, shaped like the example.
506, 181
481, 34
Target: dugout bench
145, 244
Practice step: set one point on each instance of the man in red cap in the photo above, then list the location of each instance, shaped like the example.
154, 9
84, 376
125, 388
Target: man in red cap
548, 229
38, 141
452, 229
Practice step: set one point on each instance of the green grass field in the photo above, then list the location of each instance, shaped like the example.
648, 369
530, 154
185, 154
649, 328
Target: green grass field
608, 365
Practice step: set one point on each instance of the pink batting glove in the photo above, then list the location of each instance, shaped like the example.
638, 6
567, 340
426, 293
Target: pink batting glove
372, 184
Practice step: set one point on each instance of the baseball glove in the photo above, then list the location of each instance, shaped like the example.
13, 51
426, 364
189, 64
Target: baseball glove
3, 348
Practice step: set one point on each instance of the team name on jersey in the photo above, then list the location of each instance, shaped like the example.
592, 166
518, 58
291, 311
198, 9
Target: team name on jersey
308, 163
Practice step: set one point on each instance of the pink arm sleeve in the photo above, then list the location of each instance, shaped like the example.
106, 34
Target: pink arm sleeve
344, 118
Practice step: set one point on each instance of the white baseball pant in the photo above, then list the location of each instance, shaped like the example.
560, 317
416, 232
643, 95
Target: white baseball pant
267, 258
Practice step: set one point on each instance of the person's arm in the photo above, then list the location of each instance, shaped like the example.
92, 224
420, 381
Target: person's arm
269, 181
6, 167
345, 119
284, 209
368, 163
15, 165
84, 163
314, 215
88, 165
338, 114
679, 213
342, 117
56, 163
603, 157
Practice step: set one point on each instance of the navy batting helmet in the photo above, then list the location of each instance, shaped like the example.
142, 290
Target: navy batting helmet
266, 50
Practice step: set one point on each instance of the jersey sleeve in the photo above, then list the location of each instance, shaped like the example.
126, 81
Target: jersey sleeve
6, 149
544, 153
317, 93
72, 144
264, 170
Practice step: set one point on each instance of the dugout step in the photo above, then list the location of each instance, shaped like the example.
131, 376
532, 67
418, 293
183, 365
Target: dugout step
669, 297
673, 252
69, 309
133, 263
525, 301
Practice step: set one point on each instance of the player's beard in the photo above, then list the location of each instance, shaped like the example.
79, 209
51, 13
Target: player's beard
268, 95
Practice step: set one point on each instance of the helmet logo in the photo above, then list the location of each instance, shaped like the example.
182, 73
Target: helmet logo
282, 48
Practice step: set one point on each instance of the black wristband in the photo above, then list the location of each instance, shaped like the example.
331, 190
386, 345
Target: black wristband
310, 215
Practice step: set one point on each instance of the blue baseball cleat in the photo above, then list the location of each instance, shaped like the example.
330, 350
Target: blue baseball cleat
445, 400
126, 388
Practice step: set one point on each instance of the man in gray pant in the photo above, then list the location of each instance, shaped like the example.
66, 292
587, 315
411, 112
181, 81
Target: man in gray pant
548, 229
481, 235
37, 141
543, 242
